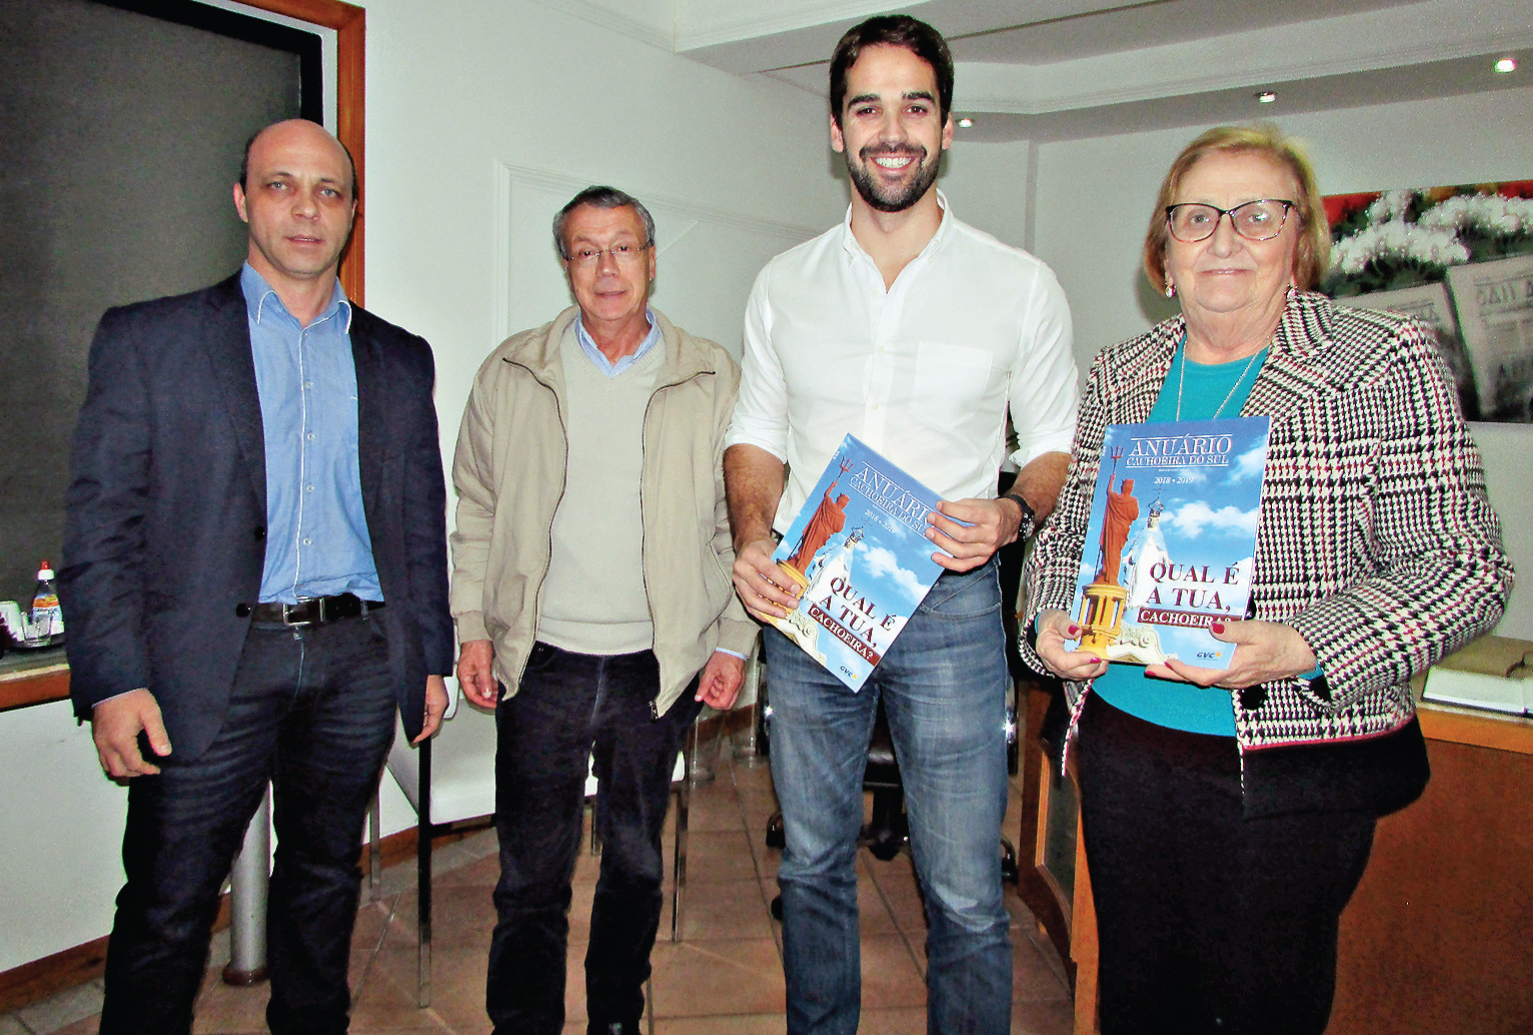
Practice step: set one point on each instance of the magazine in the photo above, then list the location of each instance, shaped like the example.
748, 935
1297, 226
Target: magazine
1170, 544
859, 552
1494, 313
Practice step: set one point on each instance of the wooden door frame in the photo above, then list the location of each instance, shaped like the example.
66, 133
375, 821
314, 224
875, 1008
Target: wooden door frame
349, 21
350, 25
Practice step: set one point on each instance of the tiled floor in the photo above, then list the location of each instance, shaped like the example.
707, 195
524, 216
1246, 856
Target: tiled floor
725, 975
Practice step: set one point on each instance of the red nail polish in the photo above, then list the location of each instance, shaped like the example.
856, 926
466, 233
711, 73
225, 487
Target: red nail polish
1073, 630
1217, 627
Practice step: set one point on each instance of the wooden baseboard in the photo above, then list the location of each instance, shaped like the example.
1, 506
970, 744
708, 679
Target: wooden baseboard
39, 979
400, 846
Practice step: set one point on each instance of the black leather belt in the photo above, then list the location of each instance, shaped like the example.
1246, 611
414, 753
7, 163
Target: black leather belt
314, 611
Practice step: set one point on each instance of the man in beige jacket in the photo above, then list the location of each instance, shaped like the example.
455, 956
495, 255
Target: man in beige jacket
592, 593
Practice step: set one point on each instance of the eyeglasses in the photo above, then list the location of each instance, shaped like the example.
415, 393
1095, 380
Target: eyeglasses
623, 253
1260, 220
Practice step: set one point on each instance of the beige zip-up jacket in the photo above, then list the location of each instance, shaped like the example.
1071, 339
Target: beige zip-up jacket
509, 470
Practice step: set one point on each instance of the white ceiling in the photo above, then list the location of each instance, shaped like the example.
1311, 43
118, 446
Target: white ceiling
1062, 69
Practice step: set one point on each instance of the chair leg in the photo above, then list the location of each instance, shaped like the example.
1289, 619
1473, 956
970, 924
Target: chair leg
748, 751
248, 900
776, 839
754, 685
886, 833
375, 849
683, 791
423, 879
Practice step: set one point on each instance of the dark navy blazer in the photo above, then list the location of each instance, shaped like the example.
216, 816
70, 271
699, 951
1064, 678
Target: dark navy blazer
166, 512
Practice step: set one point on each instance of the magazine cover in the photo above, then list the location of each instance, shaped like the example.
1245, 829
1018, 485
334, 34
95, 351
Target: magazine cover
859, 550
1170, 545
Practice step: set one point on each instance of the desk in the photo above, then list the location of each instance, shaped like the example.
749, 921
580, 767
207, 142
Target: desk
33, 677
1436, 939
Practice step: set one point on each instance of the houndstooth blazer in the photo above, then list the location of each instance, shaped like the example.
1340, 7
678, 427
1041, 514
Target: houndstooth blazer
1377, 542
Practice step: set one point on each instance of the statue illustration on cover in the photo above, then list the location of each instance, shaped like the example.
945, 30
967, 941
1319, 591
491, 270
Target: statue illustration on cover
828, 520
1104, 601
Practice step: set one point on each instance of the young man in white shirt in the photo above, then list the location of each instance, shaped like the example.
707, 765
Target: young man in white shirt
917, 334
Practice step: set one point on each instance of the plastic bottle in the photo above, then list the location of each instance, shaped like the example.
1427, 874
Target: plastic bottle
47, 616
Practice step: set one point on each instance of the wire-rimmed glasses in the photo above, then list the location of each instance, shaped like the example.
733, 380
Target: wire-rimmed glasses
625, 252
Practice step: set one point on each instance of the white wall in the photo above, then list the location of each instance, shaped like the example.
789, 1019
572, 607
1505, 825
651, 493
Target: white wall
1093, 197
454, 101
60, 865
988, 187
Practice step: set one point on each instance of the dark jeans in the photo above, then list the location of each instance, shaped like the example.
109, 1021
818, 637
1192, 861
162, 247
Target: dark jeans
312, 710
1207, 921
569, 708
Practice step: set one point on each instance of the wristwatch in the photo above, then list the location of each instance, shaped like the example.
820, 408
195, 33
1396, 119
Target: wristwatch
1025, 528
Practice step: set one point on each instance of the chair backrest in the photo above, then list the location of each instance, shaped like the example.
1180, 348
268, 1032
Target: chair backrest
678, 772
462, 765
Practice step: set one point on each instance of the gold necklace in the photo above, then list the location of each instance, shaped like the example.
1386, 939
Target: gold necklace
1182, 368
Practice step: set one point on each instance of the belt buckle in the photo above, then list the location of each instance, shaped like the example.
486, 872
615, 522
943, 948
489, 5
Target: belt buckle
304, 602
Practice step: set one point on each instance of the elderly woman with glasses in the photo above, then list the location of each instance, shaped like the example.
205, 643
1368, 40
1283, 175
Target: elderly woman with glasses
1228, 814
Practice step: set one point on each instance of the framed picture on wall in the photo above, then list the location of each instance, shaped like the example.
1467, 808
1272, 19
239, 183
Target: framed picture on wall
1459, 259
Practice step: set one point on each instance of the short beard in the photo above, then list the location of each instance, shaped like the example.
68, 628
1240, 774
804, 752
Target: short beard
924, 178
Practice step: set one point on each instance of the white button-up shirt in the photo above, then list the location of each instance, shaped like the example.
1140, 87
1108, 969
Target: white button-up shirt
923, 373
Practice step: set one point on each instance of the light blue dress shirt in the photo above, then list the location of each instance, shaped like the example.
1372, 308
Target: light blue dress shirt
317, 540
612, 370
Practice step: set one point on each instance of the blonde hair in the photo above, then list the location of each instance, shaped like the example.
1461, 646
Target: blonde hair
1315, 240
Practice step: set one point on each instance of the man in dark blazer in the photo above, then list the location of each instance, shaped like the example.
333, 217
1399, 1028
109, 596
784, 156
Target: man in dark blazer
255, 578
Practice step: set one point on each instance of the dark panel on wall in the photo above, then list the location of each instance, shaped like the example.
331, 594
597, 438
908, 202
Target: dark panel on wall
120, 141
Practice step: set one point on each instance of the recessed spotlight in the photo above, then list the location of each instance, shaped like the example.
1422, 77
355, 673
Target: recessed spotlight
1265, 96
966, 123
1505, 65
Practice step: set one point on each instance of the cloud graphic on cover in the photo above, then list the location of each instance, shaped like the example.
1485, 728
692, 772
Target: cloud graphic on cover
880, 562
1191, 519
1249, 464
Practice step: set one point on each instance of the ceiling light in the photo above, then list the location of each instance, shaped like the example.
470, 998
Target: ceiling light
1265, 96
1505, 65
966, 123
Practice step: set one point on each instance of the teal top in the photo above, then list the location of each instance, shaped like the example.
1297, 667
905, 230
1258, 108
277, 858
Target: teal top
1204, 388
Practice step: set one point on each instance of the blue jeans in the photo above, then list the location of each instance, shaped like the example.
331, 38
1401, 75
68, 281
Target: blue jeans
569, 708
944, 685
311, 710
